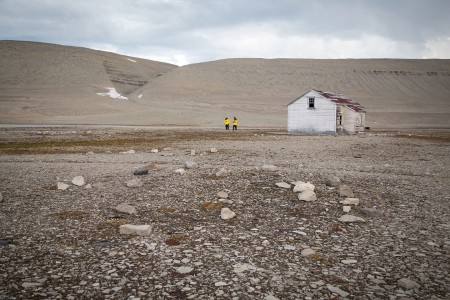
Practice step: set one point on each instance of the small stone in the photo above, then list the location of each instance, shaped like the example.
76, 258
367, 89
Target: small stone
332, 180
88, 186
125, 208
346, 208
90, 153
371, 212
59, 185
350, 201
180, 171
307, 252
349, 261
190, 164
337, 290
345, 191
222, 195
289, 247
227, 214
222, 173
141, 171
305, 186
270, 297
154, 151
376, 196
1, 197
271, 168
408, 284
184, 270
142, 230
30, 284
283, 185
128, 152
307, 195
350, 218
213, 150
220, 283
133, 183
78, 180
192, 152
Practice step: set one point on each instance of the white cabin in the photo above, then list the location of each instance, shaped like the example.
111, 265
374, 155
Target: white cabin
325, 113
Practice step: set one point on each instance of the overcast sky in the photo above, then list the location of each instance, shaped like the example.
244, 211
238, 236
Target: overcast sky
190, 31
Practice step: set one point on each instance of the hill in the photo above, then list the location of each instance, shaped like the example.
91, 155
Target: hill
53, 84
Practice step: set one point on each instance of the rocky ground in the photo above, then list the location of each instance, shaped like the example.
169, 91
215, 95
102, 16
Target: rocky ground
63, 236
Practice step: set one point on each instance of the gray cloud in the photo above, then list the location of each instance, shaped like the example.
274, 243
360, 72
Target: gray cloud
190, 31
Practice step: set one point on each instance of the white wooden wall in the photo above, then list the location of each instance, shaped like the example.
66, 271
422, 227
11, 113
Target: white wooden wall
353, 122
321, 119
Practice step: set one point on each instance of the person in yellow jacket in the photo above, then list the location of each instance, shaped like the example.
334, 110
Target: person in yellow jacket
235, 123
227, 123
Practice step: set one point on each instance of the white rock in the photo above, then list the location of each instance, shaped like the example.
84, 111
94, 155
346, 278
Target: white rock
269, 168
184, 270
220, 283
222, 195
180, 171
270, 297
128, 152
350, 218
283, 185
192, 152
88, 186
60, 186
305, 186
135, 182
307, 195
142, 230
190, 164
78, 180
408, 284
337, 290
125, 208
307, 252
213, 150
349, 261
227, 214
346, 208
297, 182
30, 284
222, 173
299, 232
350, 201
154, 151
289, 247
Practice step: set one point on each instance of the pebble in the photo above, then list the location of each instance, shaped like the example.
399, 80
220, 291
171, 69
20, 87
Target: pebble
346, 208
180, 171
349, 261
283, 185
307, 252
226, 214
142, 230
408, 284
134, 183
332, 180
346, 191
222, 172
60, 186
213, 150
305, 186
190, 164
307, 195
337, 290
78, 180
371, 212
222, 194
220, 283
126, 208
140, 171
184, 270
128, 152
271, 168
350, 219
154, 151
350, 201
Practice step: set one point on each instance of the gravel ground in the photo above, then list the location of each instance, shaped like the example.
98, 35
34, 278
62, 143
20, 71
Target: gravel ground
66, 244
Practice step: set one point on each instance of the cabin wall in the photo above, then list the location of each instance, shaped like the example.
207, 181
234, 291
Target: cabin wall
320, 119
352, 121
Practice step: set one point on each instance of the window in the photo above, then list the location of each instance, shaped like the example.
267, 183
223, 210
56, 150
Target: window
311, 102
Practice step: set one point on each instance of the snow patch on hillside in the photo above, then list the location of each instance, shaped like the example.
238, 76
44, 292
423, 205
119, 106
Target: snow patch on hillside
131, 60
113, 94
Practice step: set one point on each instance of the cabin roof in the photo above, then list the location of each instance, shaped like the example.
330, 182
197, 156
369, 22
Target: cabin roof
338, 99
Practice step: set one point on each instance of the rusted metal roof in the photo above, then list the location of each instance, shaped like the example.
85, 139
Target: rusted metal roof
342, 100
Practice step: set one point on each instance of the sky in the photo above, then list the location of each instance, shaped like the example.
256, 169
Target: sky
191, 31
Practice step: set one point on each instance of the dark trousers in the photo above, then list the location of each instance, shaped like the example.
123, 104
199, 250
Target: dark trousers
227, 126
234, 127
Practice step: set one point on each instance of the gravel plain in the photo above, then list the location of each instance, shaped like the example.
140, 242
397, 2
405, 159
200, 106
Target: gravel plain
66, 244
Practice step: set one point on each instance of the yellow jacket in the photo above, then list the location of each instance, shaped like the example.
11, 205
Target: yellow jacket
226, 122
235, 122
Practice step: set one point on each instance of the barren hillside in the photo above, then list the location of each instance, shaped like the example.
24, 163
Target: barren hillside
51, 84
